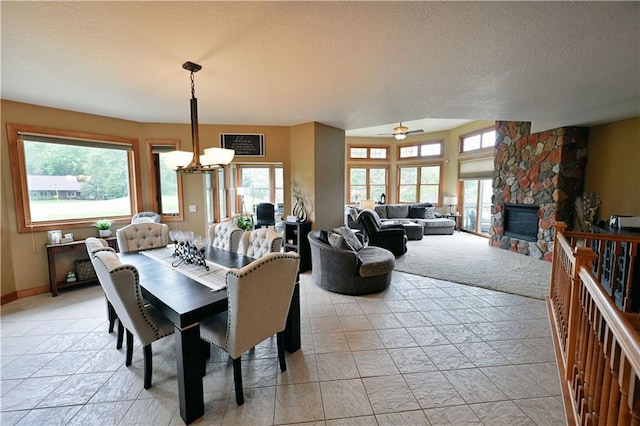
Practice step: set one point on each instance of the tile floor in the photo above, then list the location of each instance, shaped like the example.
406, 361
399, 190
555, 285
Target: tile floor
425, 352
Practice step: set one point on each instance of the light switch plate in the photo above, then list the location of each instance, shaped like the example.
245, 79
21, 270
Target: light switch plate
192, 208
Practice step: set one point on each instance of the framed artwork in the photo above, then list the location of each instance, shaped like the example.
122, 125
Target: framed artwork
244, 145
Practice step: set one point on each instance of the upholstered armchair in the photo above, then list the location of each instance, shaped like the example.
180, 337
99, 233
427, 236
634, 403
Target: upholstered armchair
265, 215
122, 287
259, 242
142, 236
225, 235
392, 237
259, 296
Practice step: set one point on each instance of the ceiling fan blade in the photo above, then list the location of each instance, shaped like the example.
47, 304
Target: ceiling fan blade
414, 131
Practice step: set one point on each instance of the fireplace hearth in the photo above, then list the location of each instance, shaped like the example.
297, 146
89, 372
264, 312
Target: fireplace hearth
521, 221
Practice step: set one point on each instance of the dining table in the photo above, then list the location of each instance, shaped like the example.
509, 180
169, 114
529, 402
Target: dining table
186, 299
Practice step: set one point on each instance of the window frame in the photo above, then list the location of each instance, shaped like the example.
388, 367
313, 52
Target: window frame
477, 151
367, 168
152, 172
418, 184
272, 166
419, 146
387, 148
19, 173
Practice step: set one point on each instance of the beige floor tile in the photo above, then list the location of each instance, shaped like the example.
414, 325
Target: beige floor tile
389, 394
433, 390
402, 418
298, 403
473, 386
345, 398
258, 407
374, 363
336, 366
544, 411
503, 413
453, 416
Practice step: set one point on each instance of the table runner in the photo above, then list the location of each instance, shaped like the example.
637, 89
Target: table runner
214, 278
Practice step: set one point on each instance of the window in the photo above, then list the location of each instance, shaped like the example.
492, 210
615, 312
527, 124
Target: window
263, 184
216, 198
419, 184
368, 153
476, 141
70, 179
367, 183
421, 150
165, 186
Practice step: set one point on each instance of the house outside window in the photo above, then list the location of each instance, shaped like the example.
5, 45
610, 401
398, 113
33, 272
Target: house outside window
70, 179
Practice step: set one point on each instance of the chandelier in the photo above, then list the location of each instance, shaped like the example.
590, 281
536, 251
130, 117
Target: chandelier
185, 162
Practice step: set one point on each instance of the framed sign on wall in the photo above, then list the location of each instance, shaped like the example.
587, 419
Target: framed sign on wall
248, 145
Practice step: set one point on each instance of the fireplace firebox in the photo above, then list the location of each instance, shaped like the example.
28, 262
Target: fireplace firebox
521, 221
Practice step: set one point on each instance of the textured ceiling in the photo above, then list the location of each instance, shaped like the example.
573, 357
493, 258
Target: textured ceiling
351, 65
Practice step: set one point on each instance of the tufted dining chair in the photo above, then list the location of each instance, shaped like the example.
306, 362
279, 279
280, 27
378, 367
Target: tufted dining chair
225, 235
95, 245
259, 242
142, 217
258, 297
122, 287
142, 236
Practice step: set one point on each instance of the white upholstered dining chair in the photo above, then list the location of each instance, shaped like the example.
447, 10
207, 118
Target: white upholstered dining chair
142, 236
95, 245
225, 235
258, 296
259, 242
122, 287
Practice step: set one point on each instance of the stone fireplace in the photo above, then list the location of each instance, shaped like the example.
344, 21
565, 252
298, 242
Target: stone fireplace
539, 174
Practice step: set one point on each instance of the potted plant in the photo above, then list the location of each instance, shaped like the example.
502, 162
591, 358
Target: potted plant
245, 222
104, 227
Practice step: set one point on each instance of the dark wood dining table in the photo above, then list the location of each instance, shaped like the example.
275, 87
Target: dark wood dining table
186, 302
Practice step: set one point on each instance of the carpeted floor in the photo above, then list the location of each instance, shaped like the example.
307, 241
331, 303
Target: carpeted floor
468, 259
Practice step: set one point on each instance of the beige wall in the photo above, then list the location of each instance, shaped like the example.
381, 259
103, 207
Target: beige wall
23, 256
329, 177
613, 167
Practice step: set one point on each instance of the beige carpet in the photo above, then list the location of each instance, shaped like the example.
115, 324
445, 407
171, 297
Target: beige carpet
468, 259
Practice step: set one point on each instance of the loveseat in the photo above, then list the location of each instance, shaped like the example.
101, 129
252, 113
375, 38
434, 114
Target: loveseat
347, 271
422, 213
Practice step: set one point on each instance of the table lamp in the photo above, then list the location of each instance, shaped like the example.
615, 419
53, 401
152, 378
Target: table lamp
450, 201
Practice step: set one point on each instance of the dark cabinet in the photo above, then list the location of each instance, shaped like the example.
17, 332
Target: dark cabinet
295, 239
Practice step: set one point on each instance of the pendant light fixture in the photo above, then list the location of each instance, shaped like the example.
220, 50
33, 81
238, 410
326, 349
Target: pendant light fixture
185, 162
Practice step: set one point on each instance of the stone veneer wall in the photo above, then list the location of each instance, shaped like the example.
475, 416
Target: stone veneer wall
546, 169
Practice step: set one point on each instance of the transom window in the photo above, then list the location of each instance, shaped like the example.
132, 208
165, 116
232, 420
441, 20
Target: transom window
70, 179
367, 183
477, 141
419, 184
368, 153
421, 150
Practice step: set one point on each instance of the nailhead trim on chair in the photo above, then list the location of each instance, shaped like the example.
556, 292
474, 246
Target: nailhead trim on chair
237, 275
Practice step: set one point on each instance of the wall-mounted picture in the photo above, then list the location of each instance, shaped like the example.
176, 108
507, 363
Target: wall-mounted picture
247, 145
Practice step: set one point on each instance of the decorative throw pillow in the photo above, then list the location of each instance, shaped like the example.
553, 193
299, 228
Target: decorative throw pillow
336, 241
350, 237
430, 213
417, 212
324, 236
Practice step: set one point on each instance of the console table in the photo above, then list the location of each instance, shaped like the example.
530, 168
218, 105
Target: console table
455, 217
54, 249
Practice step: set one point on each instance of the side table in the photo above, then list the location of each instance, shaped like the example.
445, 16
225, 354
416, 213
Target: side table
456, 218
55, 249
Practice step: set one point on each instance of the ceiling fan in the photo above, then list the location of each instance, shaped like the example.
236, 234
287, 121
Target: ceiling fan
401, 132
